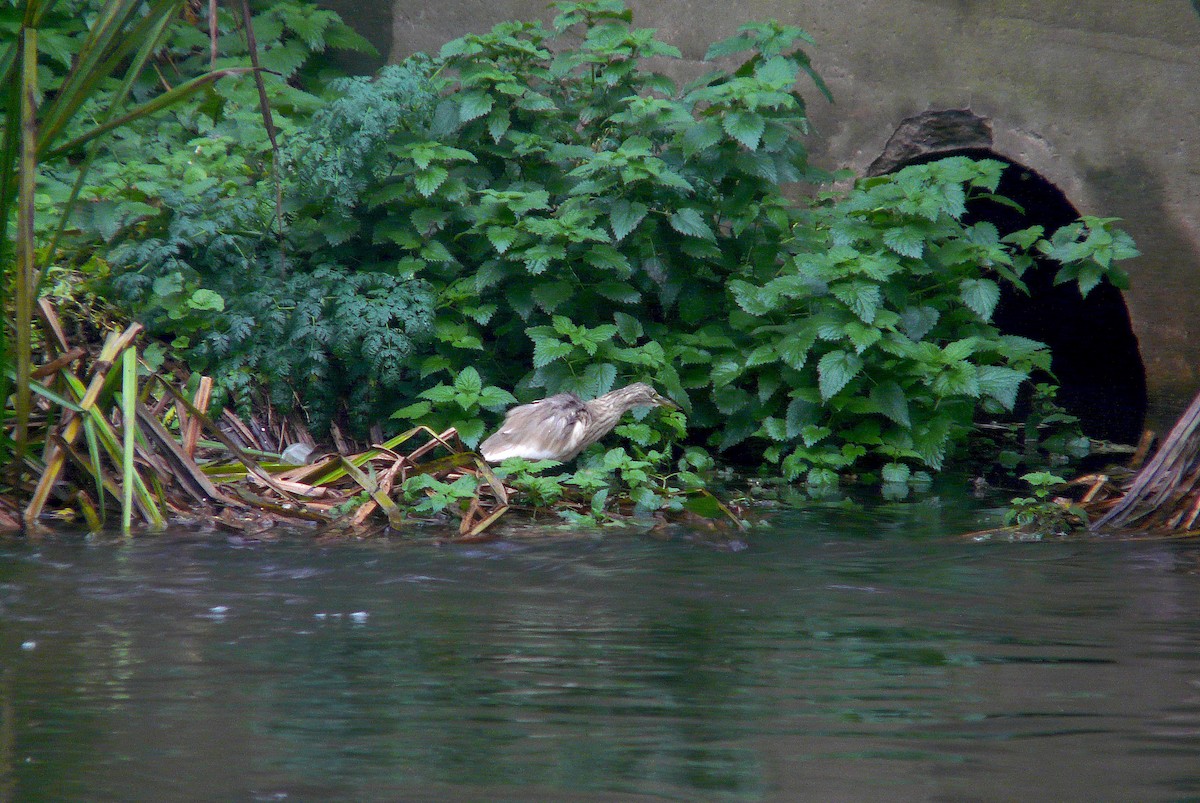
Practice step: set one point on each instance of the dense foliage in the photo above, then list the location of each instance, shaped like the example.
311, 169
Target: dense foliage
586, 223
535, 209
184, 205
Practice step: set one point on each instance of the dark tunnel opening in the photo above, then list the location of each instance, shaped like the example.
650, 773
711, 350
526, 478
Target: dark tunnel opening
1096, 360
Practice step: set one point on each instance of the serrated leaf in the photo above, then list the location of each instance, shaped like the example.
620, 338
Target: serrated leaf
429, 179
724, 372
745, 127
701, 136
468, 381
907, 241
498, 123
628, 327
862, 336
690, 222
470, 431
501, 237
1001, 384
495, 399
814, 434
930, 441
800, 414
778, 70
413, 412
775, 428
439, 394
624, 216
752, 299
960, 379
473, 104
546, 351
762, 355
896, 472
916, 322
889, 397
550, 295
835, 370
980, 295
727, 47
794, 348
606, 257
601, 377
730, 399
863, 298
620, 292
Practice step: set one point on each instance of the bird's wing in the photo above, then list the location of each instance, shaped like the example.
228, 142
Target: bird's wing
549, 429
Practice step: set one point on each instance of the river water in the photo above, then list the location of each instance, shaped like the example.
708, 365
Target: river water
835, 655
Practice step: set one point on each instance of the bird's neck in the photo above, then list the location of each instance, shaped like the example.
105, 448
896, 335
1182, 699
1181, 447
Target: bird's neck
607, 410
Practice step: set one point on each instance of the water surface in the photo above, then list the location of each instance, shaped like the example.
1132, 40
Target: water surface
837, 656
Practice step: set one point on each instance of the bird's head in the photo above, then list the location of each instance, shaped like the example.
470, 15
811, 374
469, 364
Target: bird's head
642, 395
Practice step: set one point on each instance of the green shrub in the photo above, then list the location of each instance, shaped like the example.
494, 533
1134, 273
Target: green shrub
585, 223
536, 209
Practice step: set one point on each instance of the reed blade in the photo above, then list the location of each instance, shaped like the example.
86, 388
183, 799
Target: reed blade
129, 430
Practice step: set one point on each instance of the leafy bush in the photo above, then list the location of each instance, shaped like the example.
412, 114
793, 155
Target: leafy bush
535, 209
585, 223
184, 207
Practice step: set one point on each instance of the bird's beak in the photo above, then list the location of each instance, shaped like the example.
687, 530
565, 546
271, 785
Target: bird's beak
663, 401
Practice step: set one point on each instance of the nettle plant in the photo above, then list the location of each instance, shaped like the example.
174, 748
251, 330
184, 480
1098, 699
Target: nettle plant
875, 337
584, 222
575, 212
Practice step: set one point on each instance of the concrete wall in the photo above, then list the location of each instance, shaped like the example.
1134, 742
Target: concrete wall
1102, 98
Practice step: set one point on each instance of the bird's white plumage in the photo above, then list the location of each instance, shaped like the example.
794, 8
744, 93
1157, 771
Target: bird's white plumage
560, 427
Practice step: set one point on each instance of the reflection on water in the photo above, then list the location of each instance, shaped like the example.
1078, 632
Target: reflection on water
836, 657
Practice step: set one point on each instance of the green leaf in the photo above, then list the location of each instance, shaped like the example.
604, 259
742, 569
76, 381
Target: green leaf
470, 431
960, 379
916, 322
501, 237
473, 104
863, 298
700, 137
896, 472
907, 241
624, 216
752, 299
429, 179
439, 394
980, 295
835, 370
779, 71
730, 399
762, 355
690, 222
468, 381
413, 412
814, 434
205, 299
775, 428
745, 127
546, 351
889, 397
551, 295
629, 327
727, 47
606, 257
1001, 384
794, 348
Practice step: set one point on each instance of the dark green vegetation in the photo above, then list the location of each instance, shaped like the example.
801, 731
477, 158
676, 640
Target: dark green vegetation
535, 209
